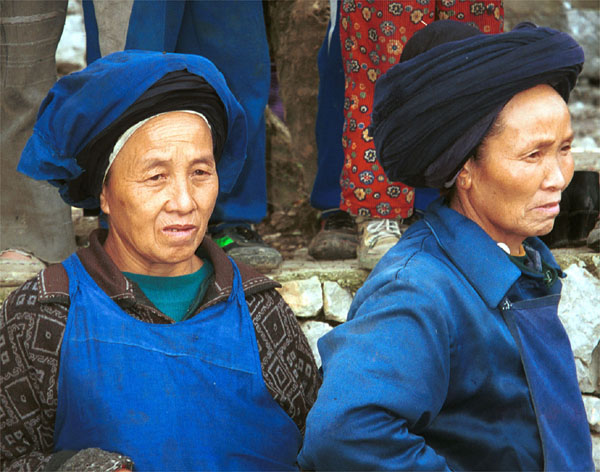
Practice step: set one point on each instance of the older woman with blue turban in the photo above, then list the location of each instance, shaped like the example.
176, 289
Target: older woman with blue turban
453, 356
149, 346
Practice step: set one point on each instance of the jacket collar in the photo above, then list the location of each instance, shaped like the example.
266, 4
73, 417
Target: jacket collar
475, 254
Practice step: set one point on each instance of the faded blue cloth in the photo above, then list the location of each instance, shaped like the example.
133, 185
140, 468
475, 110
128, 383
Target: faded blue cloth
427, 375
431, 111
186, 396
80, 105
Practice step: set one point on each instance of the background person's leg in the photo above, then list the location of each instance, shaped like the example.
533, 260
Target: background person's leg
233, 36
330, 120
33, 218
337, 238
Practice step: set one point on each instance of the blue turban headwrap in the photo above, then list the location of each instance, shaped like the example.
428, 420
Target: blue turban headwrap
84, 114
431, 111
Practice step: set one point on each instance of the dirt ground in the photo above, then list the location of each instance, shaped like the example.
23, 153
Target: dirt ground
290, 230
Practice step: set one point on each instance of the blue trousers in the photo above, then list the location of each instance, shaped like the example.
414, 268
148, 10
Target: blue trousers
233, 36
330, 122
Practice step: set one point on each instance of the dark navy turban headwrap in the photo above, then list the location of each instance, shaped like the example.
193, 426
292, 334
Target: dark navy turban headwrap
431, 111
85, 113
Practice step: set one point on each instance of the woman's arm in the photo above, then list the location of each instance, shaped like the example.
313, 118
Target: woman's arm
282, 343
386, 376
30, 337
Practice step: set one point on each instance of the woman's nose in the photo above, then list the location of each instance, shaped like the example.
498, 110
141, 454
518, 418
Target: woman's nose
559, 172
180, 198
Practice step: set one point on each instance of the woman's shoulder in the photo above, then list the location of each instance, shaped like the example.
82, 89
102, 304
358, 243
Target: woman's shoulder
417, 256
254, 281
38, 309
50, 285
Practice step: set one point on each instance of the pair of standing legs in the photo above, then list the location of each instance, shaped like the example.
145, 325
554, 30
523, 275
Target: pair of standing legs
365, 39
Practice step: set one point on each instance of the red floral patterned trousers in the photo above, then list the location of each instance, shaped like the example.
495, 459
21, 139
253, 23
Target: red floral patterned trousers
373, 34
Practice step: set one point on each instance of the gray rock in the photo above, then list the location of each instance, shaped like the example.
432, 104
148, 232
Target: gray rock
586, 157
584, 26
305, 297
346, 273
97, 460
549, 13
315, 330
592, 409
593, 239
14, 272
596, 450
578, 311
336, 301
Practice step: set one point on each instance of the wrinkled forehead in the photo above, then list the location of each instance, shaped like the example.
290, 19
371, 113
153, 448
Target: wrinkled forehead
162, 131
173, 138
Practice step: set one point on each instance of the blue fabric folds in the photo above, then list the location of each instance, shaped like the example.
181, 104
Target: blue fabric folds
431, 111
81, 105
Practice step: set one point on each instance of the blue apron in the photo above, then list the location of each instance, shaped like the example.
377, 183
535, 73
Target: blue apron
183, 396
548, 363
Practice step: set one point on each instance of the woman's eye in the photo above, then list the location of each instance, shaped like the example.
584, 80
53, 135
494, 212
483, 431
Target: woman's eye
155, 177
566, 148
200, 172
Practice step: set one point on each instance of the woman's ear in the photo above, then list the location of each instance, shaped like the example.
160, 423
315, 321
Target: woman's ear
465, 176
104, 202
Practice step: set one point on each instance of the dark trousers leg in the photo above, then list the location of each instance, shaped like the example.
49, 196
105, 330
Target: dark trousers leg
330, 121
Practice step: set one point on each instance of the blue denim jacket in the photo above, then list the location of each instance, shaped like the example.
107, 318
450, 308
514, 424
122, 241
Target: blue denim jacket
428, 372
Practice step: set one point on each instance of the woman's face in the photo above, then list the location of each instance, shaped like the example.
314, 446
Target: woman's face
159, 195
514, 189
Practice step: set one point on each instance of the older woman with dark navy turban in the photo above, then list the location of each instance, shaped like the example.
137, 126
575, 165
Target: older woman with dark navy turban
453, 356
149, 346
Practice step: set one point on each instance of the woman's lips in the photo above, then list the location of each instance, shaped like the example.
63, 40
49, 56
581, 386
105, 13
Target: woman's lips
552, 208
179, 232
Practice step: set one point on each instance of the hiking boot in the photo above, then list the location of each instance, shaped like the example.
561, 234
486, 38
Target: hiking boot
245, 245
377, 236
337, 238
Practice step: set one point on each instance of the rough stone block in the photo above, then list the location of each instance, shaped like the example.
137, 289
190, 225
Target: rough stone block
596, 450
584, 25
305, 297
16, 272
592, 409
336, 301
314, 330
578, 311
346, 273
